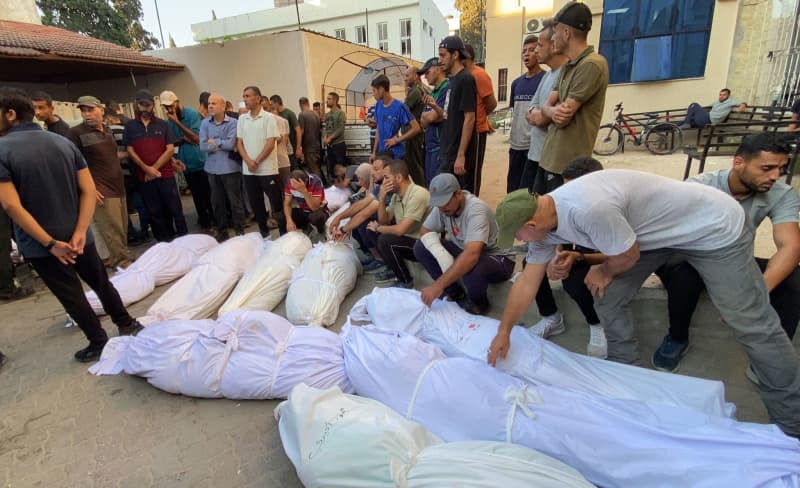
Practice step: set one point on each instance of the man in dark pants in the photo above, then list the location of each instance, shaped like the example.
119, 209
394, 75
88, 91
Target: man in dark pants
333, 135
486, 103
304, 203
433, 115
46, 189
9, 290
523, 90
753, 180
150, 144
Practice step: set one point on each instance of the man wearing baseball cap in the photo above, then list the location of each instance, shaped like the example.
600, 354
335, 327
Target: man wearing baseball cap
433, 114
96, 142
575, 106
469, 253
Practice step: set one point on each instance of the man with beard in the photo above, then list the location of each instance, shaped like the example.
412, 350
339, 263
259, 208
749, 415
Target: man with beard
432, 116
485, 104
308, 148
414, 145
151, 145
98, 146
522, 91
333, 136
468, 254
753, 181
185, 123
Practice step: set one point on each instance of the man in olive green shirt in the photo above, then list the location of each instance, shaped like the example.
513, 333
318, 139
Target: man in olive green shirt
414, 146
408, 208
575, 107
333, 136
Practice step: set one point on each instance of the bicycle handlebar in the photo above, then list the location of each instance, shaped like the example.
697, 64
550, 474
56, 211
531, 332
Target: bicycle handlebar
618, 107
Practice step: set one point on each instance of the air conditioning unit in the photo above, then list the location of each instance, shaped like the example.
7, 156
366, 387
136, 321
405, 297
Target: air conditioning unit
533, 26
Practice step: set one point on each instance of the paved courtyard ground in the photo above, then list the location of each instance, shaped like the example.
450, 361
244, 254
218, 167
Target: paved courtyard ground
62, 427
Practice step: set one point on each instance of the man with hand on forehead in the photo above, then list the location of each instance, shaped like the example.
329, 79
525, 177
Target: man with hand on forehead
469, 253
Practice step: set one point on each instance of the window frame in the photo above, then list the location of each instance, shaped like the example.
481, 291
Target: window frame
502, 85
361, 29
405, 38
383, 43
342, 31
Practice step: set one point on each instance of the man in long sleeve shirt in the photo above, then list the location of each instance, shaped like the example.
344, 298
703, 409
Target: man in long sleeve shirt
217, 140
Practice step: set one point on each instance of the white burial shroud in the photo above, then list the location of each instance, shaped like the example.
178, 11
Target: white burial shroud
614, 443
338, 440
249, 355
531, 358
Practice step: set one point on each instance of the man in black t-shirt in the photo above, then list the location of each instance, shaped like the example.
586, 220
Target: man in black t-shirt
43, 107
457, 146
46, 189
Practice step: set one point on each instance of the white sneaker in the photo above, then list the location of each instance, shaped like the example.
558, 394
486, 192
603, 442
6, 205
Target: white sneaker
598, 347
549, 326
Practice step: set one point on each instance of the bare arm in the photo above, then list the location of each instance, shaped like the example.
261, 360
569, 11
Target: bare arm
549, 107
742, 107
600, 275
466, 132
490, 102
397, 229
165, 157
268, 148
188, 134
794, 126
565, 111
784, 261
362, 216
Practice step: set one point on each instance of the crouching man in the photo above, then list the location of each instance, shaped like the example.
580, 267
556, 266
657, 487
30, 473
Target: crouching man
469, 253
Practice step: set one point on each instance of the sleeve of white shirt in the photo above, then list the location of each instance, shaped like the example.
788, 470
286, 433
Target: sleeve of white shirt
540, 252
272, 128
607, 228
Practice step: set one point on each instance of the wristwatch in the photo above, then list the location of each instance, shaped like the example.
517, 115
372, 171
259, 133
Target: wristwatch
580, 258
50, 244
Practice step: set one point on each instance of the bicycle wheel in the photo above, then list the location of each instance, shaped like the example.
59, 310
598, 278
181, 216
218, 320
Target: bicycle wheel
609, 140
663, 138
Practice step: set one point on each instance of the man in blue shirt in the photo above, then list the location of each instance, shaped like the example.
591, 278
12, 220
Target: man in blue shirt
391, 115
185, 124
47, 190
218, 140
522, 91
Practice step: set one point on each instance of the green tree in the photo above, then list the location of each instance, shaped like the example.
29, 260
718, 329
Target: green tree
116, 21
471, 25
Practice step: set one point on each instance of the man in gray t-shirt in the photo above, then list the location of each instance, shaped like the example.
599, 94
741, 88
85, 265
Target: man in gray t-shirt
471, 238
752, 181
697, 116
640, 221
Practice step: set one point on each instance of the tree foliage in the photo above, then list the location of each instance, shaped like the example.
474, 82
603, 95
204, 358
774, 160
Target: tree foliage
470, 27
117, 21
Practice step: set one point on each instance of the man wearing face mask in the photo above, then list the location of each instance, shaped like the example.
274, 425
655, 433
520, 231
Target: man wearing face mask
151, 144
96, 142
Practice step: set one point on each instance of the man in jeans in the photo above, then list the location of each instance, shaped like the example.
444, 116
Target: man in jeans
96, 142
218, 140
47, 190
469, 254
150, 144
752, 181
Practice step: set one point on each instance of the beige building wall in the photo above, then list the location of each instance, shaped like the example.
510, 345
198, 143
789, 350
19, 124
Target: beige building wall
20, 11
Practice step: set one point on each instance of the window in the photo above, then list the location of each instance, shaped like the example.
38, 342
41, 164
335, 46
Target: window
646, 40
383, 36
502, 85
339, 34
405, 37
424, 25
361, 34
430, 31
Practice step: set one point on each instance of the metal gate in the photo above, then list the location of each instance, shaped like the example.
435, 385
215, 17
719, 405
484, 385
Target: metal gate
782, 66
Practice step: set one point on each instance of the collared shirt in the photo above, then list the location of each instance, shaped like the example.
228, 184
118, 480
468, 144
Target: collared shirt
100, 151
314, 187
584, 79
190, 154
149, 142
412, 205
43, 167
255, 132
334, 126
224, 135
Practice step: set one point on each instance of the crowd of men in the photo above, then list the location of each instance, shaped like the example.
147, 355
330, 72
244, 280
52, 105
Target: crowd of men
602, 232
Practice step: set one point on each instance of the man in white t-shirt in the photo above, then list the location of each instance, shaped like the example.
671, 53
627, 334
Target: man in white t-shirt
256, 136
639, 221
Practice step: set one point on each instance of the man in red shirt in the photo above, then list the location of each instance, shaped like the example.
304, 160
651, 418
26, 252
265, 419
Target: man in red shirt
486, 105
304, 203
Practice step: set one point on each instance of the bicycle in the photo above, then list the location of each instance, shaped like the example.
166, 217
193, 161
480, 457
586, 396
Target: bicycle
658, 137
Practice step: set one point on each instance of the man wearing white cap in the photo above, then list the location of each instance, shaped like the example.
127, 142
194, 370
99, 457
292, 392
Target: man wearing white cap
469, 253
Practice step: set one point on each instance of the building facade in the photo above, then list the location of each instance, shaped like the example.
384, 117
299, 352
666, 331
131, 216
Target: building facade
666, 54
410, 28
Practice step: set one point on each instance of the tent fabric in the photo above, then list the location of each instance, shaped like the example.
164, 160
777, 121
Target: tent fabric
531, 358
360, 88
242, 355
612, 442
338, 440
264, 285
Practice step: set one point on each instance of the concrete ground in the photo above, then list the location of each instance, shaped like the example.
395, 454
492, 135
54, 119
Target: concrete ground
62, 427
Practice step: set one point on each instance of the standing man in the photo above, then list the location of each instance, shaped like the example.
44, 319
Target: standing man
151, 145
486, 103
218, 141
9, 289
284, 147
457, 153
575, 106
185, 123
469, 253
334, 133
48, 192
391, 115
257, 138
639, 221
43, 104
309, 138
407, 208
760, 161
289, 115
795, 125
414, 146
432, 116
98, 147
522, 91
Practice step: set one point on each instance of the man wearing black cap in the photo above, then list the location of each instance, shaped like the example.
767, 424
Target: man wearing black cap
469, 253
151, 146
457, 153
576, 104
432, 116
414, 149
